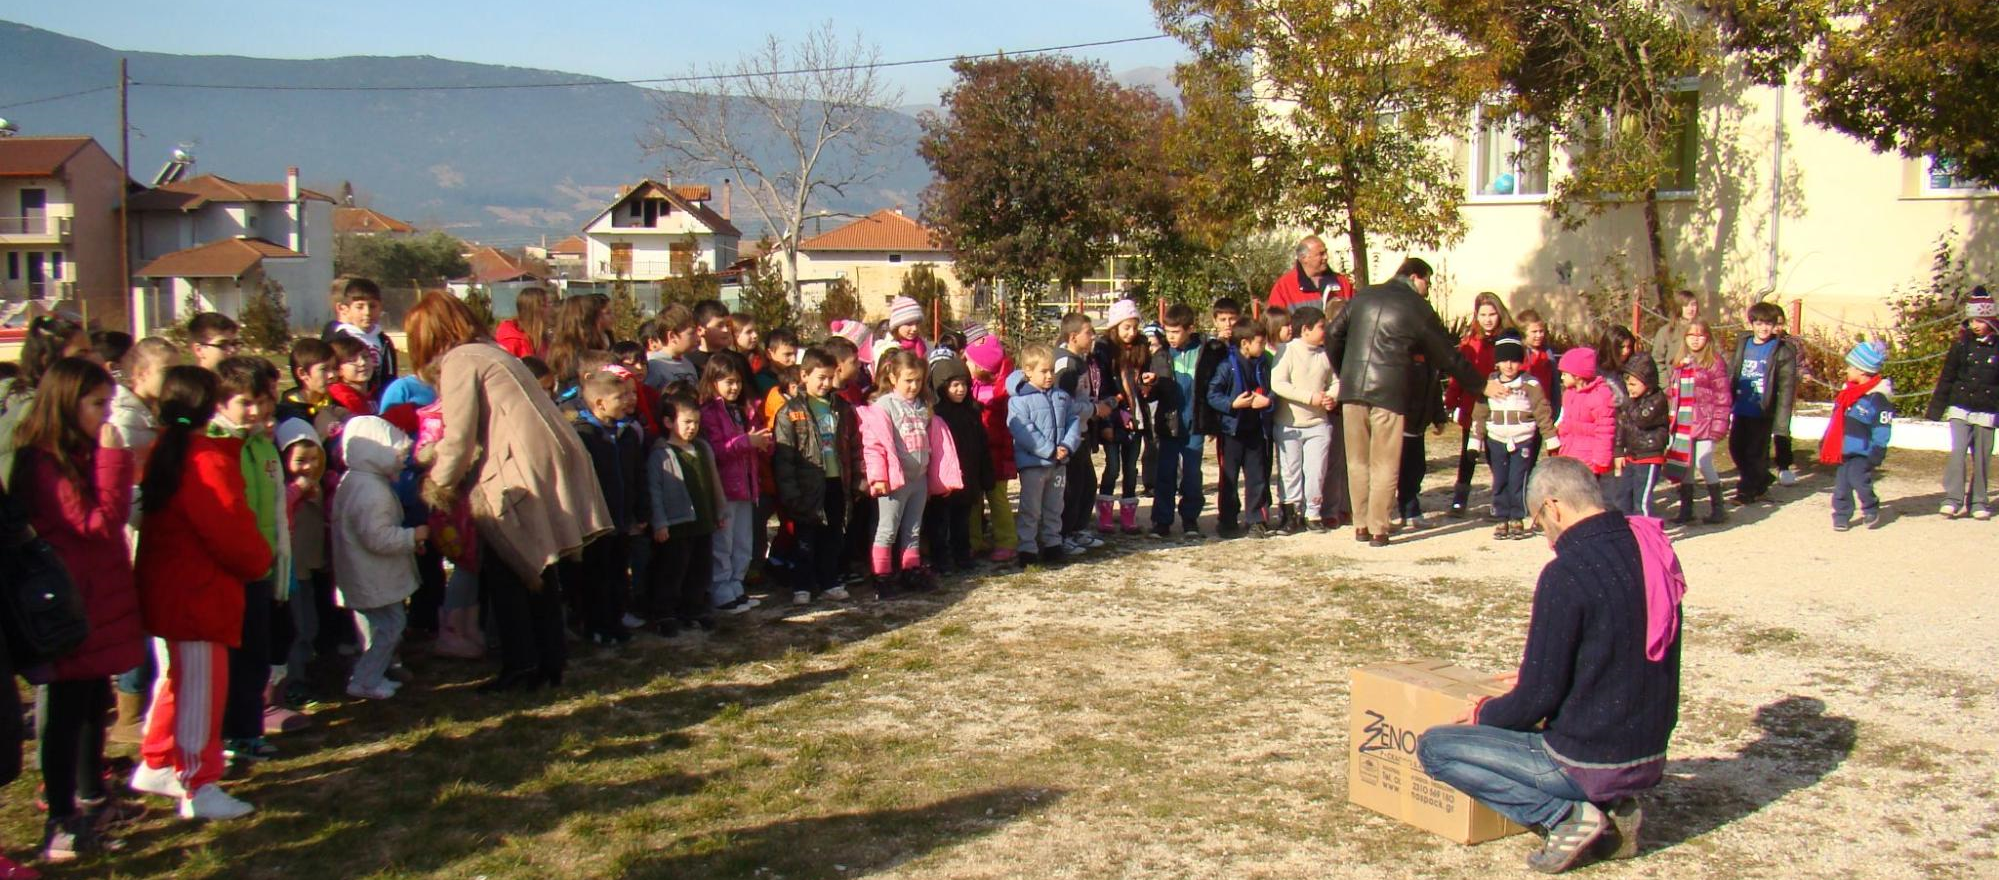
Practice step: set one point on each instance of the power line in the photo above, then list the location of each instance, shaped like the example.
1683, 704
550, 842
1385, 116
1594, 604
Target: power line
710, 77
57, 97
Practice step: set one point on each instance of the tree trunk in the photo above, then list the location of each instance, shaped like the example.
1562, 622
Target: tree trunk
791, 263
1655, 238
1357, 240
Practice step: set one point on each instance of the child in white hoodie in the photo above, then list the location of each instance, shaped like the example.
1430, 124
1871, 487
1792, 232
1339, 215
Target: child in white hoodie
374, 556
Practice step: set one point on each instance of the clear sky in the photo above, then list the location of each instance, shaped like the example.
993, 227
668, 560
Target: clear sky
618, 39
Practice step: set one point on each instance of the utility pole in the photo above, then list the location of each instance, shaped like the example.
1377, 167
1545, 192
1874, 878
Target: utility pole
124, 192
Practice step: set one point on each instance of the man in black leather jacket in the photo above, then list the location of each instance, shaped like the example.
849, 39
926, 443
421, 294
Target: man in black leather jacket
1372, 344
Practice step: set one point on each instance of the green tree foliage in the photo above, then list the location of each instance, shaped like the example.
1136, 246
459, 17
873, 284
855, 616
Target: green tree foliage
930, 290
626, 314
1359, 95
266, 322
840, 302
481, 304
689, 289
394, 261
1042, 164
1927, 318
765, 295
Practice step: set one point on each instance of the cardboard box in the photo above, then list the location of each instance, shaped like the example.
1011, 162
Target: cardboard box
1392, 705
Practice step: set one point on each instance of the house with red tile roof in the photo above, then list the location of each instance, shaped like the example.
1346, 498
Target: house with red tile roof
218, 240
367, 221
654, 231
59, 228
873, 253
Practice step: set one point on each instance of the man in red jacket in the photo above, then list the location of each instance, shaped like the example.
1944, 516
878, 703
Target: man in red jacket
1310, 282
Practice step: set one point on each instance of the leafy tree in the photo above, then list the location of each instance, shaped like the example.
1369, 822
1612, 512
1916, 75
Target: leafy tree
1042, 164
626, 315
1328, 114
266, 322
481, 304
930, 290
397, 261
840, 303
765, 295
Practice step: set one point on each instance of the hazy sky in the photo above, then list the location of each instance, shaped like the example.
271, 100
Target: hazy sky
618, 39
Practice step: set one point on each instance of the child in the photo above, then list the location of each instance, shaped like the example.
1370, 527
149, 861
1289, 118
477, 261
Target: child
1489, 319
617, 454
306, 511
1304, 380
1083, 380
1509, 430
374, 554
1123, 357
1967, 395
630, 355
198, 546
668, 363
1766, 379
780, 353
907, 455
948, 517
711, 324
134, 426
815, 464
1215, 350
1857, 439
684, 489
1588, 427
248, 394
992, 521
526, 333
78, 497
214, 338
545, 377
353, 388
1045, 429
1540, 362
905, 326
1644, 425
357, 310
1170, 384
313, 366
1699, 395
1240, 391
725, 425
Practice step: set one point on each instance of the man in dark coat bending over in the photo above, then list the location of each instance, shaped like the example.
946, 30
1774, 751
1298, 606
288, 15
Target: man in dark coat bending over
1584, 729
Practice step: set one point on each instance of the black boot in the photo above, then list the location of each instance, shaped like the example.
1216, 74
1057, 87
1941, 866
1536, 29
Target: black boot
1717, 511
1686, 515
1287, 520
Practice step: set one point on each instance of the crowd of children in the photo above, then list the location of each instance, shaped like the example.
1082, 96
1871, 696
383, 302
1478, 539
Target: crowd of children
231, 524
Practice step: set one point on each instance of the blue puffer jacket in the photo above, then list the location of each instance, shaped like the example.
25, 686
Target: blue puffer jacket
1040, 421
1868, 425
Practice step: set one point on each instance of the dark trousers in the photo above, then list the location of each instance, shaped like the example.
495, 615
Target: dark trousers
1250, 457
1632, 490
1509, 477
1338, 496
73, 742
1409, 482
947, 525
1467, 467
336, 625
1120, 457
250, 666
1749, 445
527, 617
1855, 477
1783, 458
429, 596
677, 581
1176, 482
599, 580
10, 723
857, 556
820, 544
1079, 493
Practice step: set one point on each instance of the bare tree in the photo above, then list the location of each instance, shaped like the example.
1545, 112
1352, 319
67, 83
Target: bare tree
793, 123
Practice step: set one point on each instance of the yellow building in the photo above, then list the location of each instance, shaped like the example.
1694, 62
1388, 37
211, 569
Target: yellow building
873, 254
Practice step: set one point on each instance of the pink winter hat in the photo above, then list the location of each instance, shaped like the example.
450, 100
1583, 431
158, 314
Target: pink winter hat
1121, 311
903, 310
987, 353
1578, 362
858, 334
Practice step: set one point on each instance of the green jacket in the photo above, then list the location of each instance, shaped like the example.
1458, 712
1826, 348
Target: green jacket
263, 486
796, 459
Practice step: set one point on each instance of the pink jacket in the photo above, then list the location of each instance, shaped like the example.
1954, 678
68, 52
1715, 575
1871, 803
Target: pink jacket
87, 530
1588, 427
1714, 399
734, 456
883, 465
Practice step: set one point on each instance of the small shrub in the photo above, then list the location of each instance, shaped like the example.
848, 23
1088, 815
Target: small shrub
481, 304
266, 322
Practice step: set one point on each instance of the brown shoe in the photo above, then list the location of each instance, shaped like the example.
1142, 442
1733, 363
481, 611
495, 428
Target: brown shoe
1361, 535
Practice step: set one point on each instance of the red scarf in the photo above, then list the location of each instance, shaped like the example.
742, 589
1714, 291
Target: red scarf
1832, 446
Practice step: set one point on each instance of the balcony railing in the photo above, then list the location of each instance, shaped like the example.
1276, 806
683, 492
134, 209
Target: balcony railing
33, 230
49, 291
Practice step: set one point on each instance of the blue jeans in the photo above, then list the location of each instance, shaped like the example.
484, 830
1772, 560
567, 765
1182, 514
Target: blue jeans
1507, 770
1178, 471
1854, 477
1509, 477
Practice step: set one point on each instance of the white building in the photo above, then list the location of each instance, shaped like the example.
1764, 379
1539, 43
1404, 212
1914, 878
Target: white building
654, 231
220, 240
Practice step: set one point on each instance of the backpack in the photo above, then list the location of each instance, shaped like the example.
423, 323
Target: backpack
41, 612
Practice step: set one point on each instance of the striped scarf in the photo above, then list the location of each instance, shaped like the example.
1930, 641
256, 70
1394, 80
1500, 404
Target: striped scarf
1680, 451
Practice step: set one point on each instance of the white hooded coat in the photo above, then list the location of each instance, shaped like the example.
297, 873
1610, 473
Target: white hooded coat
374, 556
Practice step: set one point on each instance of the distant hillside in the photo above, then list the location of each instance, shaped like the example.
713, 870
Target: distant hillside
504, 165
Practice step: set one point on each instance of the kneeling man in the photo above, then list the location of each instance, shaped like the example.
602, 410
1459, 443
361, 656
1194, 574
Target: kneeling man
1584, 729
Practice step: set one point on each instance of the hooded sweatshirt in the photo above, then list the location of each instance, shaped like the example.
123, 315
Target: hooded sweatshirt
374, 555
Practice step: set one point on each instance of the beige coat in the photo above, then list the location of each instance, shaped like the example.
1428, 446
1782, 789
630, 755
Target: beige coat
534, 496
1302, 374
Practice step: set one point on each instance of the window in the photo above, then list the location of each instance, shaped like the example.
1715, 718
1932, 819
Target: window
895, 258
1683, 144
1946, 175
635, 209
55, 265
1506, 164
13, 266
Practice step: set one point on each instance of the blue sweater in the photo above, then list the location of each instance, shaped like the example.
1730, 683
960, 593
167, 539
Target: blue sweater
1868, 425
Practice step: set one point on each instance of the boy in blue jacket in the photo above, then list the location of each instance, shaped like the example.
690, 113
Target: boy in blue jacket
1857, 440
1240, 393
1169, 385
1046, 432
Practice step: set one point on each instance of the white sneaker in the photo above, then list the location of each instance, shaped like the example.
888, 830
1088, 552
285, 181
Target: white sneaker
801, 597
1787, 477
632, 621
1948, 511
1072, 547
1089, 540
837, 594
1980, 514
211, 802
158, 781
366, 692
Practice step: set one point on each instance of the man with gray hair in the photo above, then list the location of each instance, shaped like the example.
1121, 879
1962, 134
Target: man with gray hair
1585, 727
1311, 282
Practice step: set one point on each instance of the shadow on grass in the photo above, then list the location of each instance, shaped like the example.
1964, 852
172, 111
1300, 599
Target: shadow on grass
1800, 746
845, 845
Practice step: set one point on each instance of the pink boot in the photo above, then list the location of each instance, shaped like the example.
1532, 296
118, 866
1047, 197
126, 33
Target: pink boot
1106, 514
458, 635
1128, 515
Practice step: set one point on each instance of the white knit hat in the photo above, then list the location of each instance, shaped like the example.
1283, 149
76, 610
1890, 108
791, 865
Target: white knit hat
1121, 311
903, 310
293, 431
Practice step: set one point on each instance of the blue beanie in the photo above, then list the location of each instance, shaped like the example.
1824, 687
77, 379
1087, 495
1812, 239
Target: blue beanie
1867, 357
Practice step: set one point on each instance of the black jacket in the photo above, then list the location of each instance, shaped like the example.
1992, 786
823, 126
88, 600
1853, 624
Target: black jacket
618, 456
1207, 419
1645, 422
1373, 337
1970, 378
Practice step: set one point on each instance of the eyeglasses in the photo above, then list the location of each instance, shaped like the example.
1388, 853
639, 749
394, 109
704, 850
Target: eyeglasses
223, 345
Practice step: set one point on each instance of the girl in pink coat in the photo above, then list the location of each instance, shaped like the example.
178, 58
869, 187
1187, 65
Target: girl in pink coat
1700, 390
1588, 425
908, 454
725, 425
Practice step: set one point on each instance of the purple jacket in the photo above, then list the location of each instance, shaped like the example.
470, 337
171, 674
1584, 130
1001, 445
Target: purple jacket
734, 456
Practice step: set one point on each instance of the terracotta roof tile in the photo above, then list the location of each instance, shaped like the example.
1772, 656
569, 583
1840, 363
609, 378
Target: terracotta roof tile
884, 230
366, 220
715, 222
192, 193
224, 258
491, 265
571, 245
37, 156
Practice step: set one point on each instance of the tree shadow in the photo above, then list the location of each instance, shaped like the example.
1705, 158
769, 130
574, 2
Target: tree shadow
1800, 745
845, 845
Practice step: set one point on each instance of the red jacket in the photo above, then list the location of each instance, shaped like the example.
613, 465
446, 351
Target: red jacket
87, 530
1293, 289
1457, 400
197, 553
350, 398
511, 337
